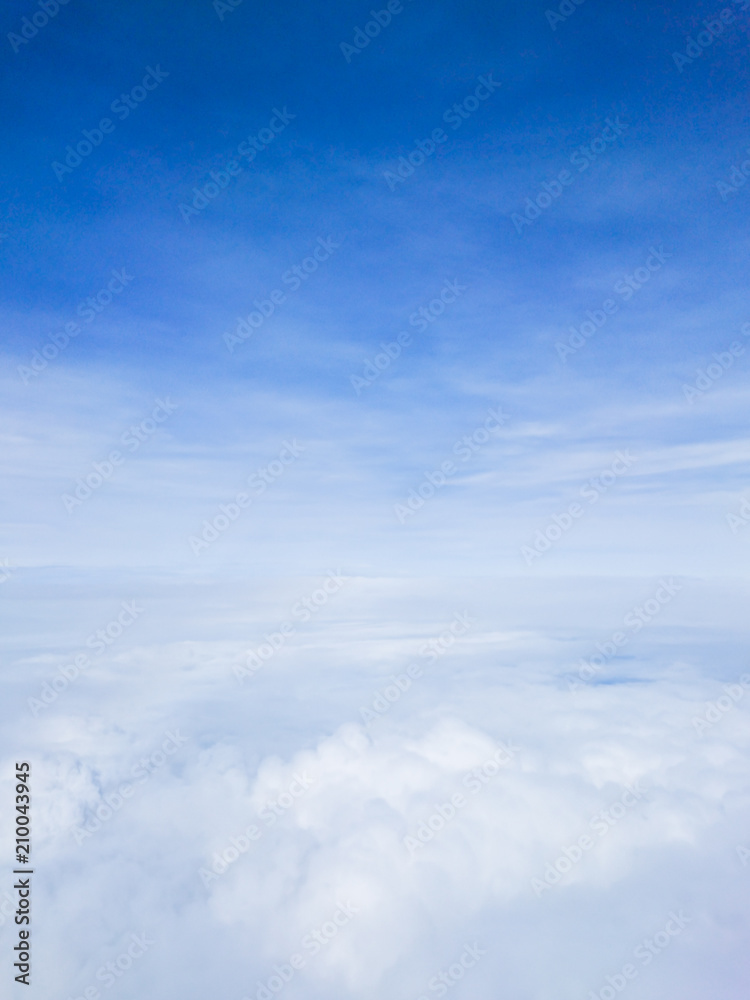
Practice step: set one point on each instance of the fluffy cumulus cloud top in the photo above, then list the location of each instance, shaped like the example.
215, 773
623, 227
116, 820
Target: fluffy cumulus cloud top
534, 830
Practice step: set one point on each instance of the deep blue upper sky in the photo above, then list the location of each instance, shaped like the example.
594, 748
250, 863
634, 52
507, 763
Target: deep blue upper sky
324, 173
653, 185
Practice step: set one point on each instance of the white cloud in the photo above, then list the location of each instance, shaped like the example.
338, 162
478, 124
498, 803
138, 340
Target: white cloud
345, 801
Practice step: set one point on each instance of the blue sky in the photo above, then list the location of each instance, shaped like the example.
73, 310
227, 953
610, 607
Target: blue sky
322, 177
152, 455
